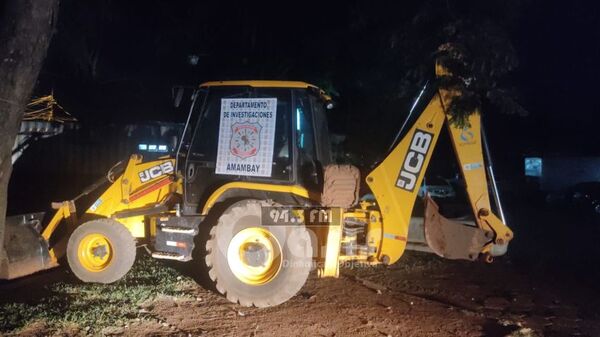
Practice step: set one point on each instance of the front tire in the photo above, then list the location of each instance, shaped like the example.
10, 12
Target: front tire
257, 265
101, 251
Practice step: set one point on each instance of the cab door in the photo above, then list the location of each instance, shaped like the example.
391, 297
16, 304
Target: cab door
201, 146
199, 166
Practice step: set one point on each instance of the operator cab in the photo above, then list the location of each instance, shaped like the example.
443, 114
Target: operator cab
270, 132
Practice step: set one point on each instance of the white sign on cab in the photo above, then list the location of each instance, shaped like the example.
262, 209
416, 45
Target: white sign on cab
246, 136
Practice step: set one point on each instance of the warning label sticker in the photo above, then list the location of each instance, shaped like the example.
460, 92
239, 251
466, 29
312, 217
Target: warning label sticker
246, 136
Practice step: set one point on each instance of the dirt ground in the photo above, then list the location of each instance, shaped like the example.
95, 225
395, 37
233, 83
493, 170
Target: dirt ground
545, 286
421, 295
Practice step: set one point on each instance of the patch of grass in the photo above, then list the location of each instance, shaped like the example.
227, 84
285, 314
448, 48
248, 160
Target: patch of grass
96, 305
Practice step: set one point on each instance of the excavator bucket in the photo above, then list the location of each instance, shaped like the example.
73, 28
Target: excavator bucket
26, 249
451, 239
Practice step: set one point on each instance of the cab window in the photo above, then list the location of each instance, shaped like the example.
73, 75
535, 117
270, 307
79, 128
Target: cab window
206, 133
308, 171
322, 131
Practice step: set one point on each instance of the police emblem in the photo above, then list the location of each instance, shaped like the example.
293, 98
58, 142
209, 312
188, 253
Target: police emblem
245, 139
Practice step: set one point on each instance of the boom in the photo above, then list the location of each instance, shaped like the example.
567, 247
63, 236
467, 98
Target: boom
395, 183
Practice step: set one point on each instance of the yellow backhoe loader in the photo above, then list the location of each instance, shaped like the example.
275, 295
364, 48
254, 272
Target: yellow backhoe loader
250, 192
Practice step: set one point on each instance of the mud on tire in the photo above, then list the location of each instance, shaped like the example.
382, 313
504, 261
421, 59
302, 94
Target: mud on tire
120, 249
296, 257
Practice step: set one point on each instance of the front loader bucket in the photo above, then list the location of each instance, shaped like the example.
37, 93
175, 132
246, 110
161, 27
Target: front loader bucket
27, 251
451, 239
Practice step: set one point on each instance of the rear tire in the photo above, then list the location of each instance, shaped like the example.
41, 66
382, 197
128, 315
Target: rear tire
257, 265
101, 251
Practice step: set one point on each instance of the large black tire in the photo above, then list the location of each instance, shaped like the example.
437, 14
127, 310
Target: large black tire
122, 251
296, 257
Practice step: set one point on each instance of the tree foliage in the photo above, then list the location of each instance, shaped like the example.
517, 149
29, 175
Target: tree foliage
470, 38
373, 56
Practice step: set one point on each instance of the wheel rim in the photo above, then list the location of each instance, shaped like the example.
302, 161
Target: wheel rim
95, 252
254, 256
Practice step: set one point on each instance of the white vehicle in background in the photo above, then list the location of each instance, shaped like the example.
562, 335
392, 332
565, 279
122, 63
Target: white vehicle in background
437, 187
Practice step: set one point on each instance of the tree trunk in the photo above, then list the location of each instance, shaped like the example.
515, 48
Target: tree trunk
26, 27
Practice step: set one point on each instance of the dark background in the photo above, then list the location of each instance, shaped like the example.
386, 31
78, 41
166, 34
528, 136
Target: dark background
534, 64
114, 63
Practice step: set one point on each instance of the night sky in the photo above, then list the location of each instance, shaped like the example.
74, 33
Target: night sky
116, 61
557, 77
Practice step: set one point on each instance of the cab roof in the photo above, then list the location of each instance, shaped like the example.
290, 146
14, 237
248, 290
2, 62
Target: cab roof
261, 84
268, 84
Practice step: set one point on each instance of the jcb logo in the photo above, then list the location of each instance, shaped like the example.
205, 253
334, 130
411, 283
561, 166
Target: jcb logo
156, 171
413, 162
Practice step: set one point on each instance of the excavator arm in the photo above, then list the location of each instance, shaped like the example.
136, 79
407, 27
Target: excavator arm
396, 180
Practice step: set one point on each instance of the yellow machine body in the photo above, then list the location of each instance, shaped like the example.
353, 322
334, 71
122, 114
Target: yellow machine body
145, 186
396, 181
412, 156
142, 185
